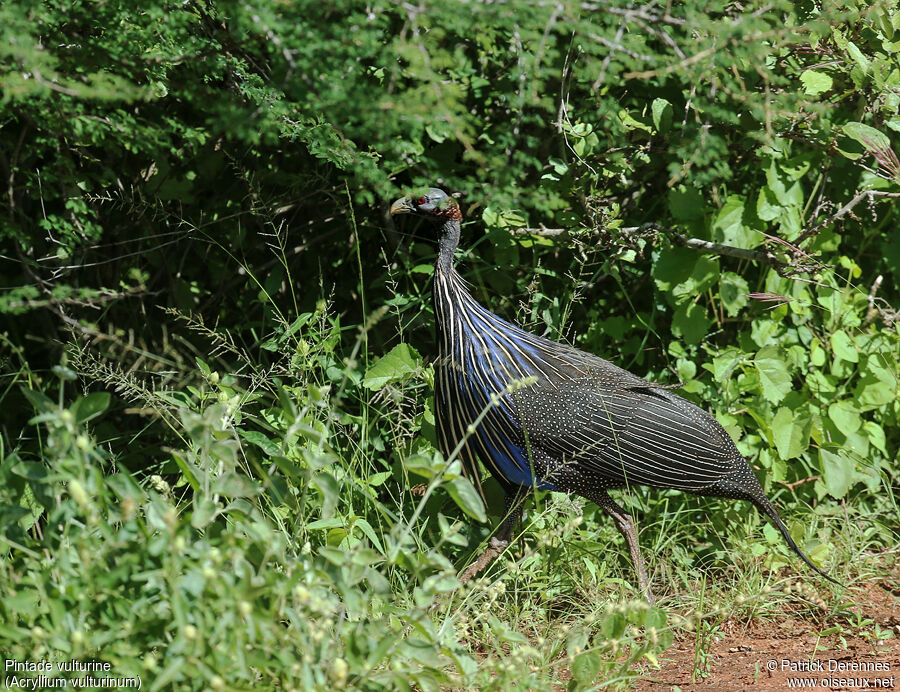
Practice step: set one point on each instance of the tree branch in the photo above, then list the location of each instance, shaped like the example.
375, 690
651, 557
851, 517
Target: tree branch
542, 231
727, 250
843, 211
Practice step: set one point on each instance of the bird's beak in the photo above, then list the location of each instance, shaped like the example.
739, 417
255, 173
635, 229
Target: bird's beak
401, 206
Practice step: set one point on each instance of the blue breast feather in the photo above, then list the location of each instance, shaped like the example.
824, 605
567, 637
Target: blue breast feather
485, 371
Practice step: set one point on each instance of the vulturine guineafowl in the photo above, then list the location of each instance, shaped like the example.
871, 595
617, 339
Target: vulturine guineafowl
557, 418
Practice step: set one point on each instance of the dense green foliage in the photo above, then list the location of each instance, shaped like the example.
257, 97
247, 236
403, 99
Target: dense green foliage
216, 347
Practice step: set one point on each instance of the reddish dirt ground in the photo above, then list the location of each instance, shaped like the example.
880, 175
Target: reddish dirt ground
743, 656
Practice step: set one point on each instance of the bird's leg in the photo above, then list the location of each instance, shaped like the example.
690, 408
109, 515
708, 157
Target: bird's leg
500, 541
625, 524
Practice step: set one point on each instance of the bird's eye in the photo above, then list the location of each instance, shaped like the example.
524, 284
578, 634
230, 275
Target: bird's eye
421, 200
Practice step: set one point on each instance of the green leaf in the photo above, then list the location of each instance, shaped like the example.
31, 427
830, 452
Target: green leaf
879, 366
873, 393
767, 206
205, 511
377, 479
774, 376
632, 123
662, 115
451, 532
686, 203
369, 532
782, 181
613, 626
398, 363
31, 470
817, 353
686, 369
704, 275
729, 227
10, 514
790, 432
90, 406
466, 497
837, 473
876, 435
64, 372
232, 484
866, 136
187, 469
690, 322
845, 416
656, 617
725, 363
329, 488
586, 666
843, 347
436, 132
773, 536
858, 57
816, 82
422, 465
673, 267
733, 290
264, 443
39, 401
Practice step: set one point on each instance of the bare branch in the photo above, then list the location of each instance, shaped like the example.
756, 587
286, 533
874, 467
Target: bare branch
727, 250
542, 231
798, 262
632, 14
846, 209
616, 46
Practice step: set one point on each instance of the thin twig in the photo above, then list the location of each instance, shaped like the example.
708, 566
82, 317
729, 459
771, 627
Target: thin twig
791, 486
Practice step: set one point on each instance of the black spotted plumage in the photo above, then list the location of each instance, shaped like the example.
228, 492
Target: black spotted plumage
540, 414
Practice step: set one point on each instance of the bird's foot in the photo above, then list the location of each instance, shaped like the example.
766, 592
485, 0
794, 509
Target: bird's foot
495, 547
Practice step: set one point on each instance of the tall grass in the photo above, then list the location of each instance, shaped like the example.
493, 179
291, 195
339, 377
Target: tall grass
276, 540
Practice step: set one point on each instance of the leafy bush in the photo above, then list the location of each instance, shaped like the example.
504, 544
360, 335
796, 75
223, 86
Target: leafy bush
217, 387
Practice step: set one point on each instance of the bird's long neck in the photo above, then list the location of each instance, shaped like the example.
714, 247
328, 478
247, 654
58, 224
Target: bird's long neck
447, 243
471, 337
462, 320
452, 301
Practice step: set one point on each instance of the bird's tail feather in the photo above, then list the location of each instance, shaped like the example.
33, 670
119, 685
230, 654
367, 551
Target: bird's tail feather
767, 508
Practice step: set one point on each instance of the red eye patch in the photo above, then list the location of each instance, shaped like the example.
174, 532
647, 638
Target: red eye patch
421, 200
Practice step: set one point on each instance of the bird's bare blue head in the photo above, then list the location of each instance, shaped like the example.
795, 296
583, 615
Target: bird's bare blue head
434, 204
443, 211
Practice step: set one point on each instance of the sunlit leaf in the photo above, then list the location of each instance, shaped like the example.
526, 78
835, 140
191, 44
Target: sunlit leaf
774, 376
816, 82
837, 473
790, 432
843, 347
845, 416
662, 115
466, 497
398, 363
